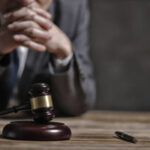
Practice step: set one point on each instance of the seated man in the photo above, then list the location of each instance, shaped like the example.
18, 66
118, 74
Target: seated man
46, 46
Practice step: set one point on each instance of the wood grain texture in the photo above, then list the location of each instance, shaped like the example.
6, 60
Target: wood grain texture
93, 131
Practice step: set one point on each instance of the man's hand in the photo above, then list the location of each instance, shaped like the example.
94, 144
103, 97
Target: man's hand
31, 27
7, 43
59, 44
30, 23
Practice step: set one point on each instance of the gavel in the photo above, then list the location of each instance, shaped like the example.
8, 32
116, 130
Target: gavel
42, 128
40, 104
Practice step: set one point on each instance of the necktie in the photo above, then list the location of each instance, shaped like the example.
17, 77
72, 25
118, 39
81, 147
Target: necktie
8, 79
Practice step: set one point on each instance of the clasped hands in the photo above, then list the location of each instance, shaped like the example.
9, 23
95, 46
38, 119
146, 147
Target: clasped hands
30, 26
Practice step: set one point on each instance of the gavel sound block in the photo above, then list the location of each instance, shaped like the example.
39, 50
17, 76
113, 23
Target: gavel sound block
41, 129
26, 130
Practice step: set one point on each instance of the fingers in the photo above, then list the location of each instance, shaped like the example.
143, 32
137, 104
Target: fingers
17, 26
16, 15
21, 38
38, 15
27, 41
37, 34
25, 11
45, 23
41, 12
34, 46
29, 30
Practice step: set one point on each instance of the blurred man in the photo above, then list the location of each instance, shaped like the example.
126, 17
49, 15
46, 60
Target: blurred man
52, 47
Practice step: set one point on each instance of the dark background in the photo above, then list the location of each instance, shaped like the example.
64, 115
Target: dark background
120, 49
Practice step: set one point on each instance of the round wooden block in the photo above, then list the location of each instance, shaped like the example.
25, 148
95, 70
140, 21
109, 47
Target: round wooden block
28, 130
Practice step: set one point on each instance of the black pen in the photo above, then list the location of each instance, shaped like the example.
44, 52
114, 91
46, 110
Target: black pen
126, 137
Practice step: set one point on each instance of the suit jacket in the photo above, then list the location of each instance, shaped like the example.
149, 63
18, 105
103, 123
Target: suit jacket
74, 89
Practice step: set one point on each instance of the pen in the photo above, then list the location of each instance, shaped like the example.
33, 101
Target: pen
126, 137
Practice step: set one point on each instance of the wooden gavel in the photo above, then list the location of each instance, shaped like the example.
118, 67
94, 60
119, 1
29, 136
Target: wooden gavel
40, 104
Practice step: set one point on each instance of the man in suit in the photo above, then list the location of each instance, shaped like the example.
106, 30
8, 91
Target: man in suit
55, 50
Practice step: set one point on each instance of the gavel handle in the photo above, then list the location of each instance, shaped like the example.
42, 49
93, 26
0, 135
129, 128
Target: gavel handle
15, 109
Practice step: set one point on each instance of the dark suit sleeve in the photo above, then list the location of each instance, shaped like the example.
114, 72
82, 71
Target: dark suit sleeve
74, 90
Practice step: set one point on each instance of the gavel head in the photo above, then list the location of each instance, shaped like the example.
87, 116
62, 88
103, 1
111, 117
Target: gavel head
41, 103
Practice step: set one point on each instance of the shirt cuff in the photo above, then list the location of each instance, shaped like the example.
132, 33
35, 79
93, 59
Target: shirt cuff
60, 65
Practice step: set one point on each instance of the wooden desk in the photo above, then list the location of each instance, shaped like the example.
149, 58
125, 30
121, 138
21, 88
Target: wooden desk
93, 131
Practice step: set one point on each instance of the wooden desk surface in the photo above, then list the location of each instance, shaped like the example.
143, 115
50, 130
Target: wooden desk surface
93, 131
